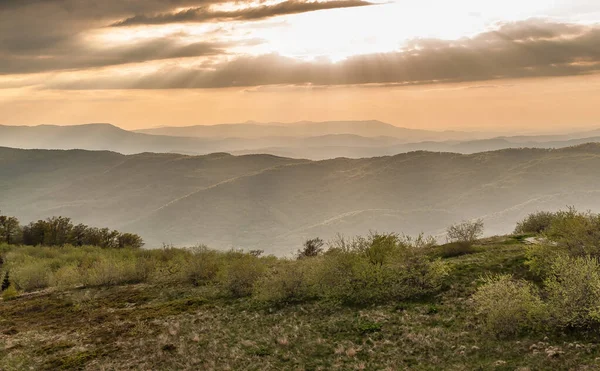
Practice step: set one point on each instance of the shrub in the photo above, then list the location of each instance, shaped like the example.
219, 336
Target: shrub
67, 276
571, 233
541, 257
349, 278
287, 282
201, 266
573, 289
378, 268
5, 282
419, 276
241, 274
466, 231
33, 275
10, 293
454, 249
537, 222
578, 233
508, 306
382, 248
114, 267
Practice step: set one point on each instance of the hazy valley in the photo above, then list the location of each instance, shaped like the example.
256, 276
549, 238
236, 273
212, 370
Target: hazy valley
271, 203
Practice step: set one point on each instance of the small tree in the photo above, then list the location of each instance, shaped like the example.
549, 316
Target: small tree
312, 247
10, 230
5, 282
57, 230
466, 231
33, 234
258, 253
130, 240
78, 235
537, 222
108, 238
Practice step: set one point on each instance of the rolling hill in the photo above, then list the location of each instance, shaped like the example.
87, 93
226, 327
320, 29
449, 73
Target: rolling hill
273, 203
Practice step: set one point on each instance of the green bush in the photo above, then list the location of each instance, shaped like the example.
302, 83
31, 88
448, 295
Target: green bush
67, 276
571, 233
115, 269
378, 268
466, 231
287, 282
573, 290
576, 232
365, 270
10, 293
537, 222
454, 249
349, 278
540, 257
508, 307
241, 273
202, 266
31, 276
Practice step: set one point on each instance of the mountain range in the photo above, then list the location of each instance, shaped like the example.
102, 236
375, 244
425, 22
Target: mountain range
274, 203
368, 129
308, 140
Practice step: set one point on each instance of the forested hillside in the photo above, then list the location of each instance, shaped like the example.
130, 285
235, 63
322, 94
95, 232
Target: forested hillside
267, 202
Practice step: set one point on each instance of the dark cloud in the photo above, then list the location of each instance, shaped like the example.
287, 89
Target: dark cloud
85, 57
47, 35
41, 35
205, 14
531, 48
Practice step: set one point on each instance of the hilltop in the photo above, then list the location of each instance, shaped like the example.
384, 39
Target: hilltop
182, 326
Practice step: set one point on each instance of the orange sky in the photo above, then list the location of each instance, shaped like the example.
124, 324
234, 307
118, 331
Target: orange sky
510, 66
518, 105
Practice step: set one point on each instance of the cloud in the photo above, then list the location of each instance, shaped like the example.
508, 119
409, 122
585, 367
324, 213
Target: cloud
205, 14
72, 54
41, 35
50, 35
532, 48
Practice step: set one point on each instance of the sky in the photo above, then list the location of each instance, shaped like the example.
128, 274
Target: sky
514, 66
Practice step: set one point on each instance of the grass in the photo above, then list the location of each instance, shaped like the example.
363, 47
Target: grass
182, 326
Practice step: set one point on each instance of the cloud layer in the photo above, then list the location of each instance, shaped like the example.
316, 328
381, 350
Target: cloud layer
47, 36
531, 48
205, 14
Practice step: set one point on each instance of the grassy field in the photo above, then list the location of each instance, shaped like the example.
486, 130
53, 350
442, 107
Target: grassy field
174, 327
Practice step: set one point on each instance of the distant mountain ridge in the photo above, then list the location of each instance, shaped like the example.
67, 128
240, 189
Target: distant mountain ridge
368, 128
274, 203
336, 139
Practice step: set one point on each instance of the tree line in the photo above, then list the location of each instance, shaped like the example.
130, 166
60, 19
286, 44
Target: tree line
60, 231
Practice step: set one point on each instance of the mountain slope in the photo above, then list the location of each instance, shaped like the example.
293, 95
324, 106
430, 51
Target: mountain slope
273, 203
96, 137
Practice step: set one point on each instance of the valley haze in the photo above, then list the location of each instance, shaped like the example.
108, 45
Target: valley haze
268, 202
